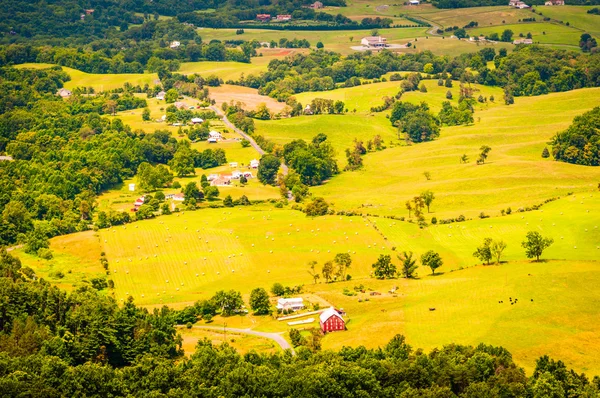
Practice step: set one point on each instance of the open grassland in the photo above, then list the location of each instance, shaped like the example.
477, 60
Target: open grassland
340, 130
242, 343
184, 257
577, 17
515, 175
100, 82
543, 33
484, 16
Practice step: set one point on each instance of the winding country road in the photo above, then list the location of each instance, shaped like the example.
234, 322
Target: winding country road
261, 151
276, 337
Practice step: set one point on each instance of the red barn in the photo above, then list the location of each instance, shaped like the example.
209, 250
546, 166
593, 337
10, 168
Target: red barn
331, 320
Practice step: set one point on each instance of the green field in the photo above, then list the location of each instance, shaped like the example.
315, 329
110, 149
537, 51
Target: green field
577, 17
544, 33
515, 174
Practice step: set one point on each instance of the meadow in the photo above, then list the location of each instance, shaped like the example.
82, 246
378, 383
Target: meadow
515, 175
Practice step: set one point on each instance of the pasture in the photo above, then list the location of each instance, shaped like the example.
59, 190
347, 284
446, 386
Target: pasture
514, 175
242, 343
577, 17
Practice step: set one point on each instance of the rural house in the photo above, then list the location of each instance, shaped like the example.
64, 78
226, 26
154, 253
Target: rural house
374, 42
284, 17
317, 5
331, 320
214, 136
138, 203
161, 95
263, 17
175, 44
222, 181
293, 304
63, 92
308, 110
555, 3
177, 197
197, 120
254, 164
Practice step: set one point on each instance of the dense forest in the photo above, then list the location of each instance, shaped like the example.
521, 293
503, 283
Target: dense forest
58, 344
580, 143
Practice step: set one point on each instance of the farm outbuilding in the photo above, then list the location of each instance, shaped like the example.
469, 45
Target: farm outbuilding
331, 320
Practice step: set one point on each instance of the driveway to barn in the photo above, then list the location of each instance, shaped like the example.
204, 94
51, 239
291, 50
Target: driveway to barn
276, 337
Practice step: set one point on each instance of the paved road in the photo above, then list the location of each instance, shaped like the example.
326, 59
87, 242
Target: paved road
261, 151
276, 337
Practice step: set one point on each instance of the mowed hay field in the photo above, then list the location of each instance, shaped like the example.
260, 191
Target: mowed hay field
242, 343
514, 175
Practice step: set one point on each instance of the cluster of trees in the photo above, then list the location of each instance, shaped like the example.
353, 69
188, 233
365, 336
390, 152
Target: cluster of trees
322, 70
332, 270
580, 142
354, 155
384, 268
416, 122
314, 162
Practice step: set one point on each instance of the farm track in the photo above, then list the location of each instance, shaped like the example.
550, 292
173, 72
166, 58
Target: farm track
276, 337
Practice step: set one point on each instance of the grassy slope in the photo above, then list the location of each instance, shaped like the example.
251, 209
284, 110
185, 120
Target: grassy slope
577, 17
242, 343
341, 130
515, 174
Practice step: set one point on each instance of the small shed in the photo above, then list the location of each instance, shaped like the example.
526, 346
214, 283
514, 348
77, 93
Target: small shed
254, 164
131, 187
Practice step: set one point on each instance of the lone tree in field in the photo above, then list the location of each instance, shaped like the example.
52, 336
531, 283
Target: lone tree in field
384, 268
428, 198
259, 301
485, 150
343, 261
146, 115
464, 159
535, 244
409, 265
312, 272
409, 207
545, 153
277, 289
484, 252
497, 248
432, 260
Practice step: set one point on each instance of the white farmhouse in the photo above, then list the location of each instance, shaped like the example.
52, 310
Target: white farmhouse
294, 304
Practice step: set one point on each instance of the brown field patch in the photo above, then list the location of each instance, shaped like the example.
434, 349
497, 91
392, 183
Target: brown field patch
247, 96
